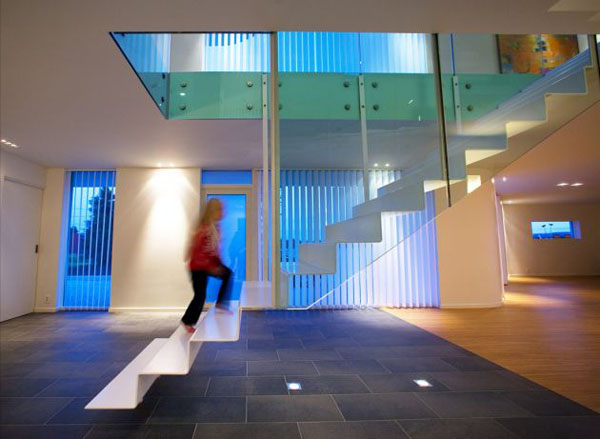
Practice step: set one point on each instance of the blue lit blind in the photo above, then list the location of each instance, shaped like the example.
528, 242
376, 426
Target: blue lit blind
399, 271
146, 52
89, 240
346, 52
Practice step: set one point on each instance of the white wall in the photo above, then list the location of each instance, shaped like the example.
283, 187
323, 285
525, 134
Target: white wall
560, 257
154, 213
469, 253
50, 263
27, 178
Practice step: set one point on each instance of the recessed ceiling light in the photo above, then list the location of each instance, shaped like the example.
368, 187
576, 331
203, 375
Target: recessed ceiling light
4, 141
493, 180
171, 165
387, 165
294, 386
563, 184
503, 178
422, 383
577, 184
159, 164
376, 164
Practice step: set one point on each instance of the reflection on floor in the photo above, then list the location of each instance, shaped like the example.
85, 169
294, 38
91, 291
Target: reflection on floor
548, 331
356, 369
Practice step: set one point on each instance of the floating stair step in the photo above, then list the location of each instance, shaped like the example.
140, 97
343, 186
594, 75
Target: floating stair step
302, 268
365, 228
219, 326
127, 390
406, 199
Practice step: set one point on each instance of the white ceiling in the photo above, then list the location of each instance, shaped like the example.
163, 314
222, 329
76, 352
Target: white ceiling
571, 154
69, 99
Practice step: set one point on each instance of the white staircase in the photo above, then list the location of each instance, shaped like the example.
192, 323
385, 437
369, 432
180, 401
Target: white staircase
167, 356
483, 147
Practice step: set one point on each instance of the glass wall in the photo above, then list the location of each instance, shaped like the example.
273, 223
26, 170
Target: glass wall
89, 244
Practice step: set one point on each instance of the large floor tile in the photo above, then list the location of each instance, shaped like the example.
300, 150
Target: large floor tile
23, 386
401, 383
242, 386
44, 431
471, 363
278, 368
247, 354
484, 380
187, 410
30, 410
415, 364
472, 405
308, 354
292, 408
327, 384
126, 431
359, 407
179, 385
554, 428
75, 387
546, 403
456, 429
247, 431
352, 430
75, 413
341, 367
219, 368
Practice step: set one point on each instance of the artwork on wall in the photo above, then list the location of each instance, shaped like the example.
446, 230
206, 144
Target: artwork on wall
535, 53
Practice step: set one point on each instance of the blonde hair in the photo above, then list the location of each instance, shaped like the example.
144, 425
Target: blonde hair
208, 215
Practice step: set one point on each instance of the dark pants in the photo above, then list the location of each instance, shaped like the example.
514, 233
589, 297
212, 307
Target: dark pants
199, 282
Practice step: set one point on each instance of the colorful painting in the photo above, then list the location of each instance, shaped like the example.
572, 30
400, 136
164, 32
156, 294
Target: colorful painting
537, 53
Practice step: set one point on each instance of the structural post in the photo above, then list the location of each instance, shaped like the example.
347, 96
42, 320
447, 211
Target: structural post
363, 134
274, 143
265, 180
437, 73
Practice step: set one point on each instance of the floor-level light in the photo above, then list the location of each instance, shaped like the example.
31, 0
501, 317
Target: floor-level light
422, 383
294, 386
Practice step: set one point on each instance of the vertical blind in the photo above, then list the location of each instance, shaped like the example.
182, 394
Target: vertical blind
399, 271
89, 245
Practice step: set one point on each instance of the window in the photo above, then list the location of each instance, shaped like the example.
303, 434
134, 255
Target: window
89, 245
555, 229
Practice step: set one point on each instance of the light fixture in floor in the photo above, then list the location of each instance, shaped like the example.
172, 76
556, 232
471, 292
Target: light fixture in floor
422, 383
294, 386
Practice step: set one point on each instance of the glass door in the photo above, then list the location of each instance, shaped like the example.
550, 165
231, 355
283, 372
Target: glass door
233, 242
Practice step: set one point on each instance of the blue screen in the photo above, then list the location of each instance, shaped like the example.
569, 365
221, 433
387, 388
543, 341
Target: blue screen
551, 229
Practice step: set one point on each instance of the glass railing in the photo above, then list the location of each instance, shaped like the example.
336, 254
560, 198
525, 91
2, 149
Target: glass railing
366, 160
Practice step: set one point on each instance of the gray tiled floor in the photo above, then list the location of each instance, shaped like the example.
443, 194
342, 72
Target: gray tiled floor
356, 369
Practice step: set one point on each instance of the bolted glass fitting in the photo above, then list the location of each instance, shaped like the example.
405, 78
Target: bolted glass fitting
470, 108
376, 107
249, 106
182, 107
468, 86
347, 106
249, 83
183, 84
346, 84
374, 84
279, 84
280, 106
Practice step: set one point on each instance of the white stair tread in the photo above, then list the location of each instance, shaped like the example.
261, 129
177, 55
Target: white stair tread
219, 326
174, 356
122, 392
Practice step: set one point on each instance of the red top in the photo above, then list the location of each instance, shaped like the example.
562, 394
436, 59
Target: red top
205, 251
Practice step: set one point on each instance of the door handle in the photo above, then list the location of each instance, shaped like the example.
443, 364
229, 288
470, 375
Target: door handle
37, 247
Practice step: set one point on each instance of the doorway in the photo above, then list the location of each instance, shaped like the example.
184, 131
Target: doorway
236, 240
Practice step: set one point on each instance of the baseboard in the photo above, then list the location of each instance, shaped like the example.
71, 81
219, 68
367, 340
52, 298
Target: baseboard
44, 309
117, 309
471, 305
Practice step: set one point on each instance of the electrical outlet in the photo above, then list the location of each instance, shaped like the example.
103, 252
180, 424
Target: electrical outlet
47, 299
